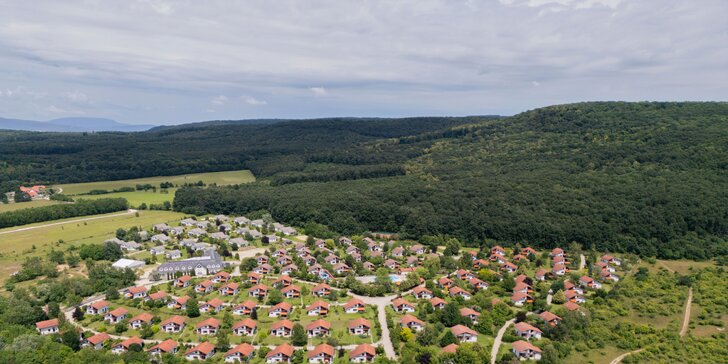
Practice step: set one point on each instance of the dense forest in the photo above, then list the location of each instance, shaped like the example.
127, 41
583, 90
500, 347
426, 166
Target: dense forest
648, 178
266, 149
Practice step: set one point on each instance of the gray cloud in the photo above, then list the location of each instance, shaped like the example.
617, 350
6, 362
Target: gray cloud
170, 61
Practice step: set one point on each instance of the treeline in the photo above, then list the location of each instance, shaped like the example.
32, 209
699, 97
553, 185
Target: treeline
647, 178
63, 211
338, 173
266, 149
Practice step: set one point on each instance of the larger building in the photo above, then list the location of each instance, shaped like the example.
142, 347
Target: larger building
209, 263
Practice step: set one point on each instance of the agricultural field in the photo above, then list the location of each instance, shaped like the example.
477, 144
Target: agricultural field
20, 242
136, 198
25, 205
220, 178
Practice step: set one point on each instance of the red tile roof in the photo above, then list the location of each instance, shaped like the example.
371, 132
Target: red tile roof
204, 347
319, 323
99, 304
288, 324
521, 346
179, 320
359, 322
98, 338
165, 346
284, 349
209, 322
321, 349
361, 349
452, 349
458, 330
244, 349
245, 323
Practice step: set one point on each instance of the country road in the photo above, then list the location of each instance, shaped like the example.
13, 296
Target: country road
130, 211
618, 359
582, 262
497, 342
686, 318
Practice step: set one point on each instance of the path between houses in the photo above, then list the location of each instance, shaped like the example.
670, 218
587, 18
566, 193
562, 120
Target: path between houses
497, 341
582, 262
130, 211
381, 303
686, 318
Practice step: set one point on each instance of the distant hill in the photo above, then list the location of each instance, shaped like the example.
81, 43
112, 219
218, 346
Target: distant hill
71, 124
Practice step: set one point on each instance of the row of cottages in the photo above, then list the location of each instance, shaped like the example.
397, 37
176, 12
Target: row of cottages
322, 353
558, 262
522, 292
606, 266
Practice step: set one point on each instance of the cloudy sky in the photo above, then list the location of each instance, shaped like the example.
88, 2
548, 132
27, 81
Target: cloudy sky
167, 62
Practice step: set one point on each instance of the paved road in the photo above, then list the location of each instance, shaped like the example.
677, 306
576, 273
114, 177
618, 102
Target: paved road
618, 359
686, 319
498, 338
381, 303
130, 211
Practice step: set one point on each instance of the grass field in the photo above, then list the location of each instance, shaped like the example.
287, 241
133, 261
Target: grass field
25, 205
136, 198
220, 178
15, 246
683, 266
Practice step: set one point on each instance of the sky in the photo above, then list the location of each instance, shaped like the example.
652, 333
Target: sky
170, 62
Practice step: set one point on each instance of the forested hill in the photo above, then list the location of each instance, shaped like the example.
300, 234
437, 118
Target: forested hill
650, 178
266, 149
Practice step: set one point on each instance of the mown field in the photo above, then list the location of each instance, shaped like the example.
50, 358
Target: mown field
20, 242
136, 198
25, 205
219, 178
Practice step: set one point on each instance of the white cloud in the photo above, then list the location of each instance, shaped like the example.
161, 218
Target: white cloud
219, 100
417, 57
76, 96
253, 101
57, 110
318, 91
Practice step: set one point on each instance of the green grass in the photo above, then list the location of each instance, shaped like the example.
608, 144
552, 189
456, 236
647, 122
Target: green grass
16, 246
25, 205
683, 266
136, 198
220, 178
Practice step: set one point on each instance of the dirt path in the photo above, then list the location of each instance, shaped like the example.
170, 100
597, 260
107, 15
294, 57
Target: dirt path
582, 262
618, 359
498, 338
686, 319
130, 211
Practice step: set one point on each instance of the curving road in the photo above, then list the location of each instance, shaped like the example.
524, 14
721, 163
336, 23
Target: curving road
618, 359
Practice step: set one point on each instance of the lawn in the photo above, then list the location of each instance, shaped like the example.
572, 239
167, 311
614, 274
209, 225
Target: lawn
25, 205
16, 246
220, 178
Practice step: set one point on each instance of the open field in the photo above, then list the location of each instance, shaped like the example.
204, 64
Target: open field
136, 198
16, 246
220, 178
25, 205
683, 266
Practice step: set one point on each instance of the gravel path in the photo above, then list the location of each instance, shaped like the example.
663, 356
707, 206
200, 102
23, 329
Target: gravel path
498, 338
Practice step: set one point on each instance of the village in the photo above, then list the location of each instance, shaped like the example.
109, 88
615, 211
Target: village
265, 293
